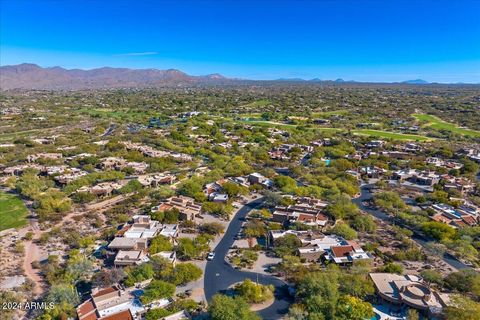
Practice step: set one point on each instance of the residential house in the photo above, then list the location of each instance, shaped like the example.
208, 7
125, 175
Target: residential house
19, 169
138, 167
346, 254
44, 155
71, 175
187, 207
169, 255
112, 163
130, 258
218, 197
257, 178
373, 171
128, 244
411, 291
142, 227
112, 303
306, 210
155, 180
103, 189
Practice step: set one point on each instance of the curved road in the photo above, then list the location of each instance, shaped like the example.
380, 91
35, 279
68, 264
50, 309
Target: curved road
419, 238
219, 275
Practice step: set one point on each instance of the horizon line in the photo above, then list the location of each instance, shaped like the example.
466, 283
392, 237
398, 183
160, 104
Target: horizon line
281, 79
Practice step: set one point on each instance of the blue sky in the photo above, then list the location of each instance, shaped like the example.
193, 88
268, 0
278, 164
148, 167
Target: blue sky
382, 40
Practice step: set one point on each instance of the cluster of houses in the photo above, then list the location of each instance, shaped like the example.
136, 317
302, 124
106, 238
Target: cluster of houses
214, 191
417, 179
306, 210
447, 164
466, 215
317, 246
119, 303
115, 163
187, 207
472, 154
44, 155
155, 180
153, 153
103, 189
130, 245
283, 152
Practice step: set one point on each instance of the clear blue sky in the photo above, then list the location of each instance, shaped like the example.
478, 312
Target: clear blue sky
383, 40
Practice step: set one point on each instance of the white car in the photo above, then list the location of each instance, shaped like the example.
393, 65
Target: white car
210, 256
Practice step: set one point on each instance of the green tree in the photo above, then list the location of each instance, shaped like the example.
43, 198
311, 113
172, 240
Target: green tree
160, 243
464, 281
233, 189
287, 245
392, 268
319, 291
271, 198
342, 229
186, 272
356, 285
132, 186
352, 308
285, 183
432, 276
158, 289
438, 230
364, 223
255, 229
253, 292
226, 308
341, 208
463, 308
412, 314
213, 228
139, 273
389, 201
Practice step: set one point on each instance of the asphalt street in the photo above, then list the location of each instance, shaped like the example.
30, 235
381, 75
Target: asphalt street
219, 275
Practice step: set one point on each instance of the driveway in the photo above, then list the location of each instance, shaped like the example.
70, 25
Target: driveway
219, 275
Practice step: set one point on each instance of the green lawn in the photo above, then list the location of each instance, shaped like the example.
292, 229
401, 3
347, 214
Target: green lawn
15, 135
439, 124
366, 132
391, 135
269, 124
330, 113
13, 213
118, 114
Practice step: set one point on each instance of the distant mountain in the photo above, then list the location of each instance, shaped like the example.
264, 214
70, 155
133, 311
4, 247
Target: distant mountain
416, 81
32, 76
290, 79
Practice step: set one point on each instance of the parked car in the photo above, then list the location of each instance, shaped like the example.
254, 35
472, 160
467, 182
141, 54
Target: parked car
210, 256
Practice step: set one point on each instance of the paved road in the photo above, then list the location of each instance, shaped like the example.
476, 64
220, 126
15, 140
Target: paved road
219, 275
419, 238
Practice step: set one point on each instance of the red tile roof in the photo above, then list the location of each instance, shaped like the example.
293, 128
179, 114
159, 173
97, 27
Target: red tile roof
123, 315
86, 311
469, 220
341, 251
104, 291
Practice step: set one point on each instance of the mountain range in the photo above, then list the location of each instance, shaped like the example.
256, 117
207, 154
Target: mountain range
32, 76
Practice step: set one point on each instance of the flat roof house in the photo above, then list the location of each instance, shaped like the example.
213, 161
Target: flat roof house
122, 243
111, 303
130, 258
409, 290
